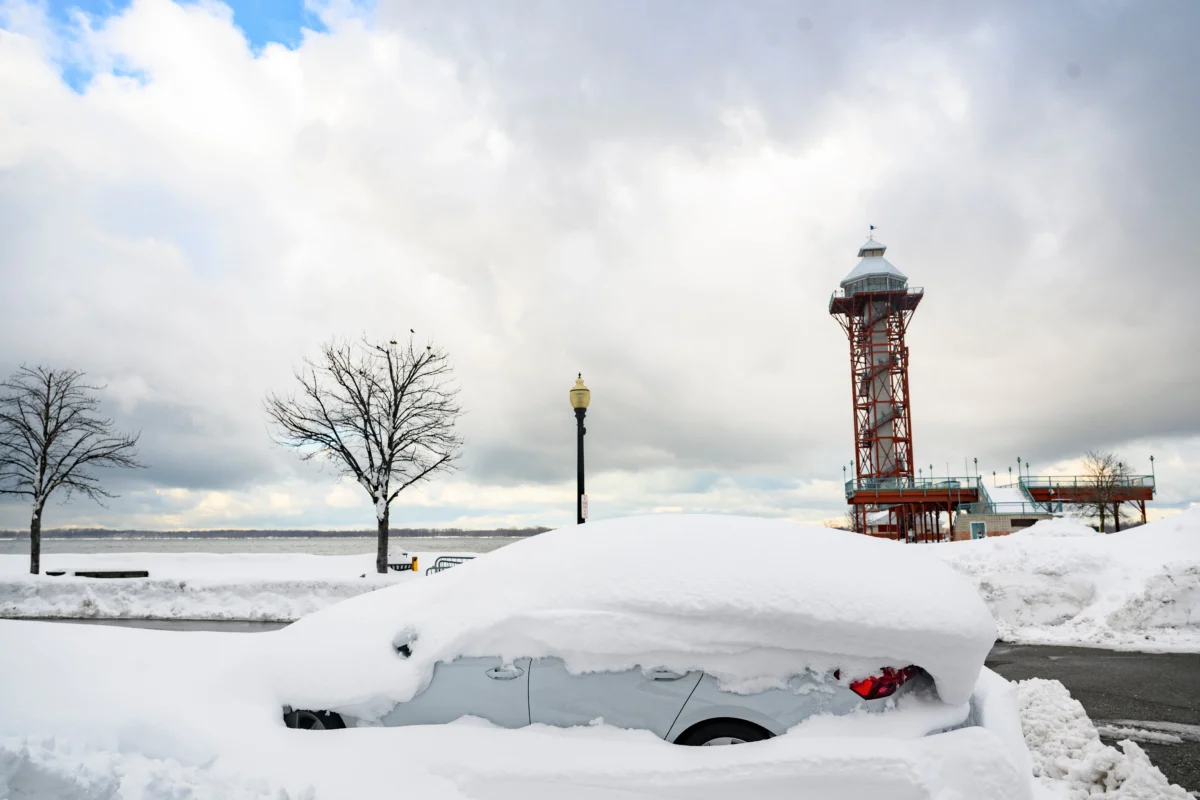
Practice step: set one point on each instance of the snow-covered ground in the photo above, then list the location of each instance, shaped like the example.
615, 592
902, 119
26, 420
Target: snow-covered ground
205, 586
1060, 582
95, 712
103, 713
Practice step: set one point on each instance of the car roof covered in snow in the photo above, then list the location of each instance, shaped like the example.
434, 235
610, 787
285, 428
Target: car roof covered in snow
750, 601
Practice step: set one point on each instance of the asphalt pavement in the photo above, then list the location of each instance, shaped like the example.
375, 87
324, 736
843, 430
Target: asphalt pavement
1157, 694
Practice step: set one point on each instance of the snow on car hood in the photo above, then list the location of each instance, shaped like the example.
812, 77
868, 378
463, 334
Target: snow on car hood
751, 601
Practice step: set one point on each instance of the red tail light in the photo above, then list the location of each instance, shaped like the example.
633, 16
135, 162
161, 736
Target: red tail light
884, 684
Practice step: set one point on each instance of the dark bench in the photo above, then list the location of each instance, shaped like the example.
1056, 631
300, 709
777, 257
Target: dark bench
103, 573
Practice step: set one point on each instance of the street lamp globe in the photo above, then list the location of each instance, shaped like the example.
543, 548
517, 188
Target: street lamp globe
580, 394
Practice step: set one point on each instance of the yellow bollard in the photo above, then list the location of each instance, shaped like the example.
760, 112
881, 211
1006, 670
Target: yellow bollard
414, 566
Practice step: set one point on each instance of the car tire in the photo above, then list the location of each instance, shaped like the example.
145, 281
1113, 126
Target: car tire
722, 731
313, 720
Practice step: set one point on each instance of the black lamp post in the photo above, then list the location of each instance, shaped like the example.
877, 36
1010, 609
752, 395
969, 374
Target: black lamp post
580, 397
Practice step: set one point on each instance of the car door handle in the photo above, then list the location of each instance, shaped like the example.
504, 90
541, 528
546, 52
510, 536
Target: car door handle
664, 675
505, 673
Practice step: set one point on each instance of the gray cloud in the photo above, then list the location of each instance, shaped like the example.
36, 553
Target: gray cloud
661, 196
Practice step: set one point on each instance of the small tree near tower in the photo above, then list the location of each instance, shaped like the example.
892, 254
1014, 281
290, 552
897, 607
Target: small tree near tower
1104, 473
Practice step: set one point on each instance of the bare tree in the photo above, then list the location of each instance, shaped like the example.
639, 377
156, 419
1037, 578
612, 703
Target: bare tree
1105, 474
383, 413
846, 522
50, 438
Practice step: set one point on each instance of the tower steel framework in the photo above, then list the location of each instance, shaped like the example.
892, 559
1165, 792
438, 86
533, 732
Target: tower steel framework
874, 307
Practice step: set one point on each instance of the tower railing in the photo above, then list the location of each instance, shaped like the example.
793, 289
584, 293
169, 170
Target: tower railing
915, 485
1081, 482
841, 294
1012, 508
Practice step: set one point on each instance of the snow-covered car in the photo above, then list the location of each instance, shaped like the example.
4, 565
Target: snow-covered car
687, 708
632, 622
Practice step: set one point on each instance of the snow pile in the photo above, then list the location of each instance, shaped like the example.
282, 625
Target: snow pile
188, 716
750, 601
209, 586
1066, 748
45, 767
1057, 527
1138, 589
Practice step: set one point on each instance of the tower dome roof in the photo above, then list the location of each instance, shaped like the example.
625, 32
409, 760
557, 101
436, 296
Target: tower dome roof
874, 265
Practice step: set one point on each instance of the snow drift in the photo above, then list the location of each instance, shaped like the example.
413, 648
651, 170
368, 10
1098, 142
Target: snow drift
1067, 752
1060, 583
749, 601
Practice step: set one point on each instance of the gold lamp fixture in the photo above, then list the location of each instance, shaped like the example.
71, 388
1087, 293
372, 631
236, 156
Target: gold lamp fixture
580, 394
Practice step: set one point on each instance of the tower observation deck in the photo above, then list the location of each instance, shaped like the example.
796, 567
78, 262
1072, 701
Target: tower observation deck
874, 307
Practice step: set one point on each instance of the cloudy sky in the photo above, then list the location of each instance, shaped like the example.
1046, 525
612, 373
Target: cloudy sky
194, 196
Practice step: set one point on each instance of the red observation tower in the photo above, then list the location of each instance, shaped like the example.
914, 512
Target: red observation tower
874, 306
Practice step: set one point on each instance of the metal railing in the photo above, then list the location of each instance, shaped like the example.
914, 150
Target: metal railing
1010, 508
870, 287
922, 485
446, 562
1083, 482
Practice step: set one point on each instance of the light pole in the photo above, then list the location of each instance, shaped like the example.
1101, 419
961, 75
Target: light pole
580, 397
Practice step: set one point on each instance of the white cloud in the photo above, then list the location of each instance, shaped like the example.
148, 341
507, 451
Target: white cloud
187, 229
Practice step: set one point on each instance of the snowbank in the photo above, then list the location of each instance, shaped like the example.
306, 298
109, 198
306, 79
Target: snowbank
1058, 527
1067, 751
47, 767
191, 715
207, 586
1058, 584
750, 601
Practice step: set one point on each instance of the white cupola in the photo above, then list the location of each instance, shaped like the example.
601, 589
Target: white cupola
874, 273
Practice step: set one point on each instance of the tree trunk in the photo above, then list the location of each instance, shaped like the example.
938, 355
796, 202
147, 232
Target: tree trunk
35, 542
1117, 516
381, 555
1103, 509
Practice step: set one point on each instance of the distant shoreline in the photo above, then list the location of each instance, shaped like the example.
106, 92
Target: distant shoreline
264, 538
92, 534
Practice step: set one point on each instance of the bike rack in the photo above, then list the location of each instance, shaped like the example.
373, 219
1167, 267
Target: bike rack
446, 562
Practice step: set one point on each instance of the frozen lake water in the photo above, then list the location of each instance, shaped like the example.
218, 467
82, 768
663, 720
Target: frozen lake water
316, 545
